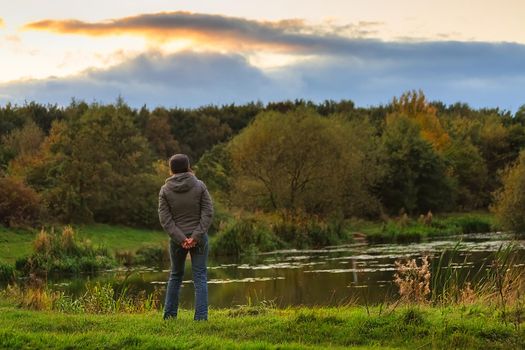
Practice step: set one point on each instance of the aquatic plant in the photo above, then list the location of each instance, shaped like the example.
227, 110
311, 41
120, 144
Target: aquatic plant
413, 280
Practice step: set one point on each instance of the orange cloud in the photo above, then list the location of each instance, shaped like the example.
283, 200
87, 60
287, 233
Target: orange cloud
291, 35
1, 22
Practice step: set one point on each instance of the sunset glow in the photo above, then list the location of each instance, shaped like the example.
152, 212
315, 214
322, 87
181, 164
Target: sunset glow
282, 43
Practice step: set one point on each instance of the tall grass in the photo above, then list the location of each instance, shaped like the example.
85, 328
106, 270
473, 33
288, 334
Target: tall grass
62, 252
496, 281
97, 299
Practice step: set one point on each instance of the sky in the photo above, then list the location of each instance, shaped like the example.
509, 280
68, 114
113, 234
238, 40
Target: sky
193, 53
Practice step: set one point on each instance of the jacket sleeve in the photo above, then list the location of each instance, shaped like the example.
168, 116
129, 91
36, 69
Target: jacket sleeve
206, 215
166, 220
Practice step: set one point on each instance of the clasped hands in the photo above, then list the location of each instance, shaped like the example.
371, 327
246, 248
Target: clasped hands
188, 243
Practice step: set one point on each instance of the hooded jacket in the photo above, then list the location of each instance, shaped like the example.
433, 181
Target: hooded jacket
185, 207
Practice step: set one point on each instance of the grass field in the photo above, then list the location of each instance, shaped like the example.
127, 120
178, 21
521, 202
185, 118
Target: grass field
461, 327
16, 243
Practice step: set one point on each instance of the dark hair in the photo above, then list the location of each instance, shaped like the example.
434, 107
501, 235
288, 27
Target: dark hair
179, 163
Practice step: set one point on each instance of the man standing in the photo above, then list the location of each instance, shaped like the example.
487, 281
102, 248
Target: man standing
185, 213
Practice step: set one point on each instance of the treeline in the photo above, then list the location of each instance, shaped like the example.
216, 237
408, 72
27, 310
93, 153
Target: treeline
106, 163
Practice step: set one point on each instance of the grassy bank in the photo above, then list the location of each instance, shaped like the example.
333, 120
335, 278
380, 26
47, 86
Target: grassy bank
475, 326
257, 233
404, 229
17, 243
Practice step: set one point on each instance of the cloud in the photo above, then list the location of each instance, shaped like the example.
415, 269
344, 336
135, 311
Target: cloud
1, 23
366, 71
291, 35
183, 79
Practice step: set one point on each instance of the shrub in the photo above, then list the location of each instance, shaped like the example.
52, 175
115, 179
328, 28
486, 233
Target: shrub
509, 204
19, 204
125, 257
304, 231
469, 224
152, 255
7, 272
53, 252
242, 236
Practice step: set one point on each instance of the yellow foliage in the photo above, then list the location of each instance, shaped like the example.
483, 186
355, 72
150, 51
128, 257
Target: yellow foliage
414, 105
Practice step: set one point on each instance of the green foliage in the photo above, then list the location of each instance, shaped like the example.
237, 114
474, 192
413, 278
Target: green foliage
150, 255
405, 229
243, 236
157, 131
215, 169
92, 162
415, 179
509, 204
19, 204
465, 224
7, 272
301, 161
303, 231
251, 235
53, 252
469, 171
98, 167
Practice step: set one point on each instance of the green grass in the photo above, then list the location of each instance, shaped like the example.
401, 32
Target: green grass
413, 230
472, 327
17, 243
121, 237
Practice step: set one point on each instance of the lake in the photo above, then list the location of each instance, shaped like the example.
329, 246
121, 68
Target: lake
356, 273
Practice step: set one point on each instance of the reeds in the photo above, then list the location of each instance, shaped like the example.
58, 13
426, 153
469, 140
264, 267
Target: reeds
496, 281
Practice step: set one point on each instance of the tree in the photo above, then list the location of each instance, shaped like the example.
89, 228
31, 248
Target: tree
519, 117
19, 204
22, 144
509, 201
215, 169
359, 167
157, 131
468, 168
282, 159
415, 179
415, 106
300, 161
96, 167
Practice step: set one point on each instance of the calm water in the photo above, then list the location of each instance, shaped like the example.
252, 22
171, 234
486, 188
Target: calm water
330, 276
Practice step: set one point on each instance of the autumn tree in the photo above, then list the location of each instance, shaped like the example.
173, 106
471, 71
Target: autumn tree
415, 106
19, 204
509, 203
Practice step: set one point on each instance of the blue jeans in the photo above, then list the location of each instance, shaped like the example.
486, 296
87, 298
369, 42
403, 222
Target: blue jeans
199, 257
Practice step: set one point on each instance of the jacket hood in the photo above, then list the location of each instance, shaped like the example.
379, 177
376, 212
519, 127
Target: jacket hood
182, 182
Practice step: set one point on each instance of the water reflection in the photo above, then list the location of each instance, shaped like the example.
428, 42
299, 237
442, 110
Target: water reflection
329, 276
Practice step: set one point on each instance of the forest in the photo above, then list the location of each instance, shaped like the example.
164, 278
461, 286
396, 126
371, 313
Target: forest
105, 163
